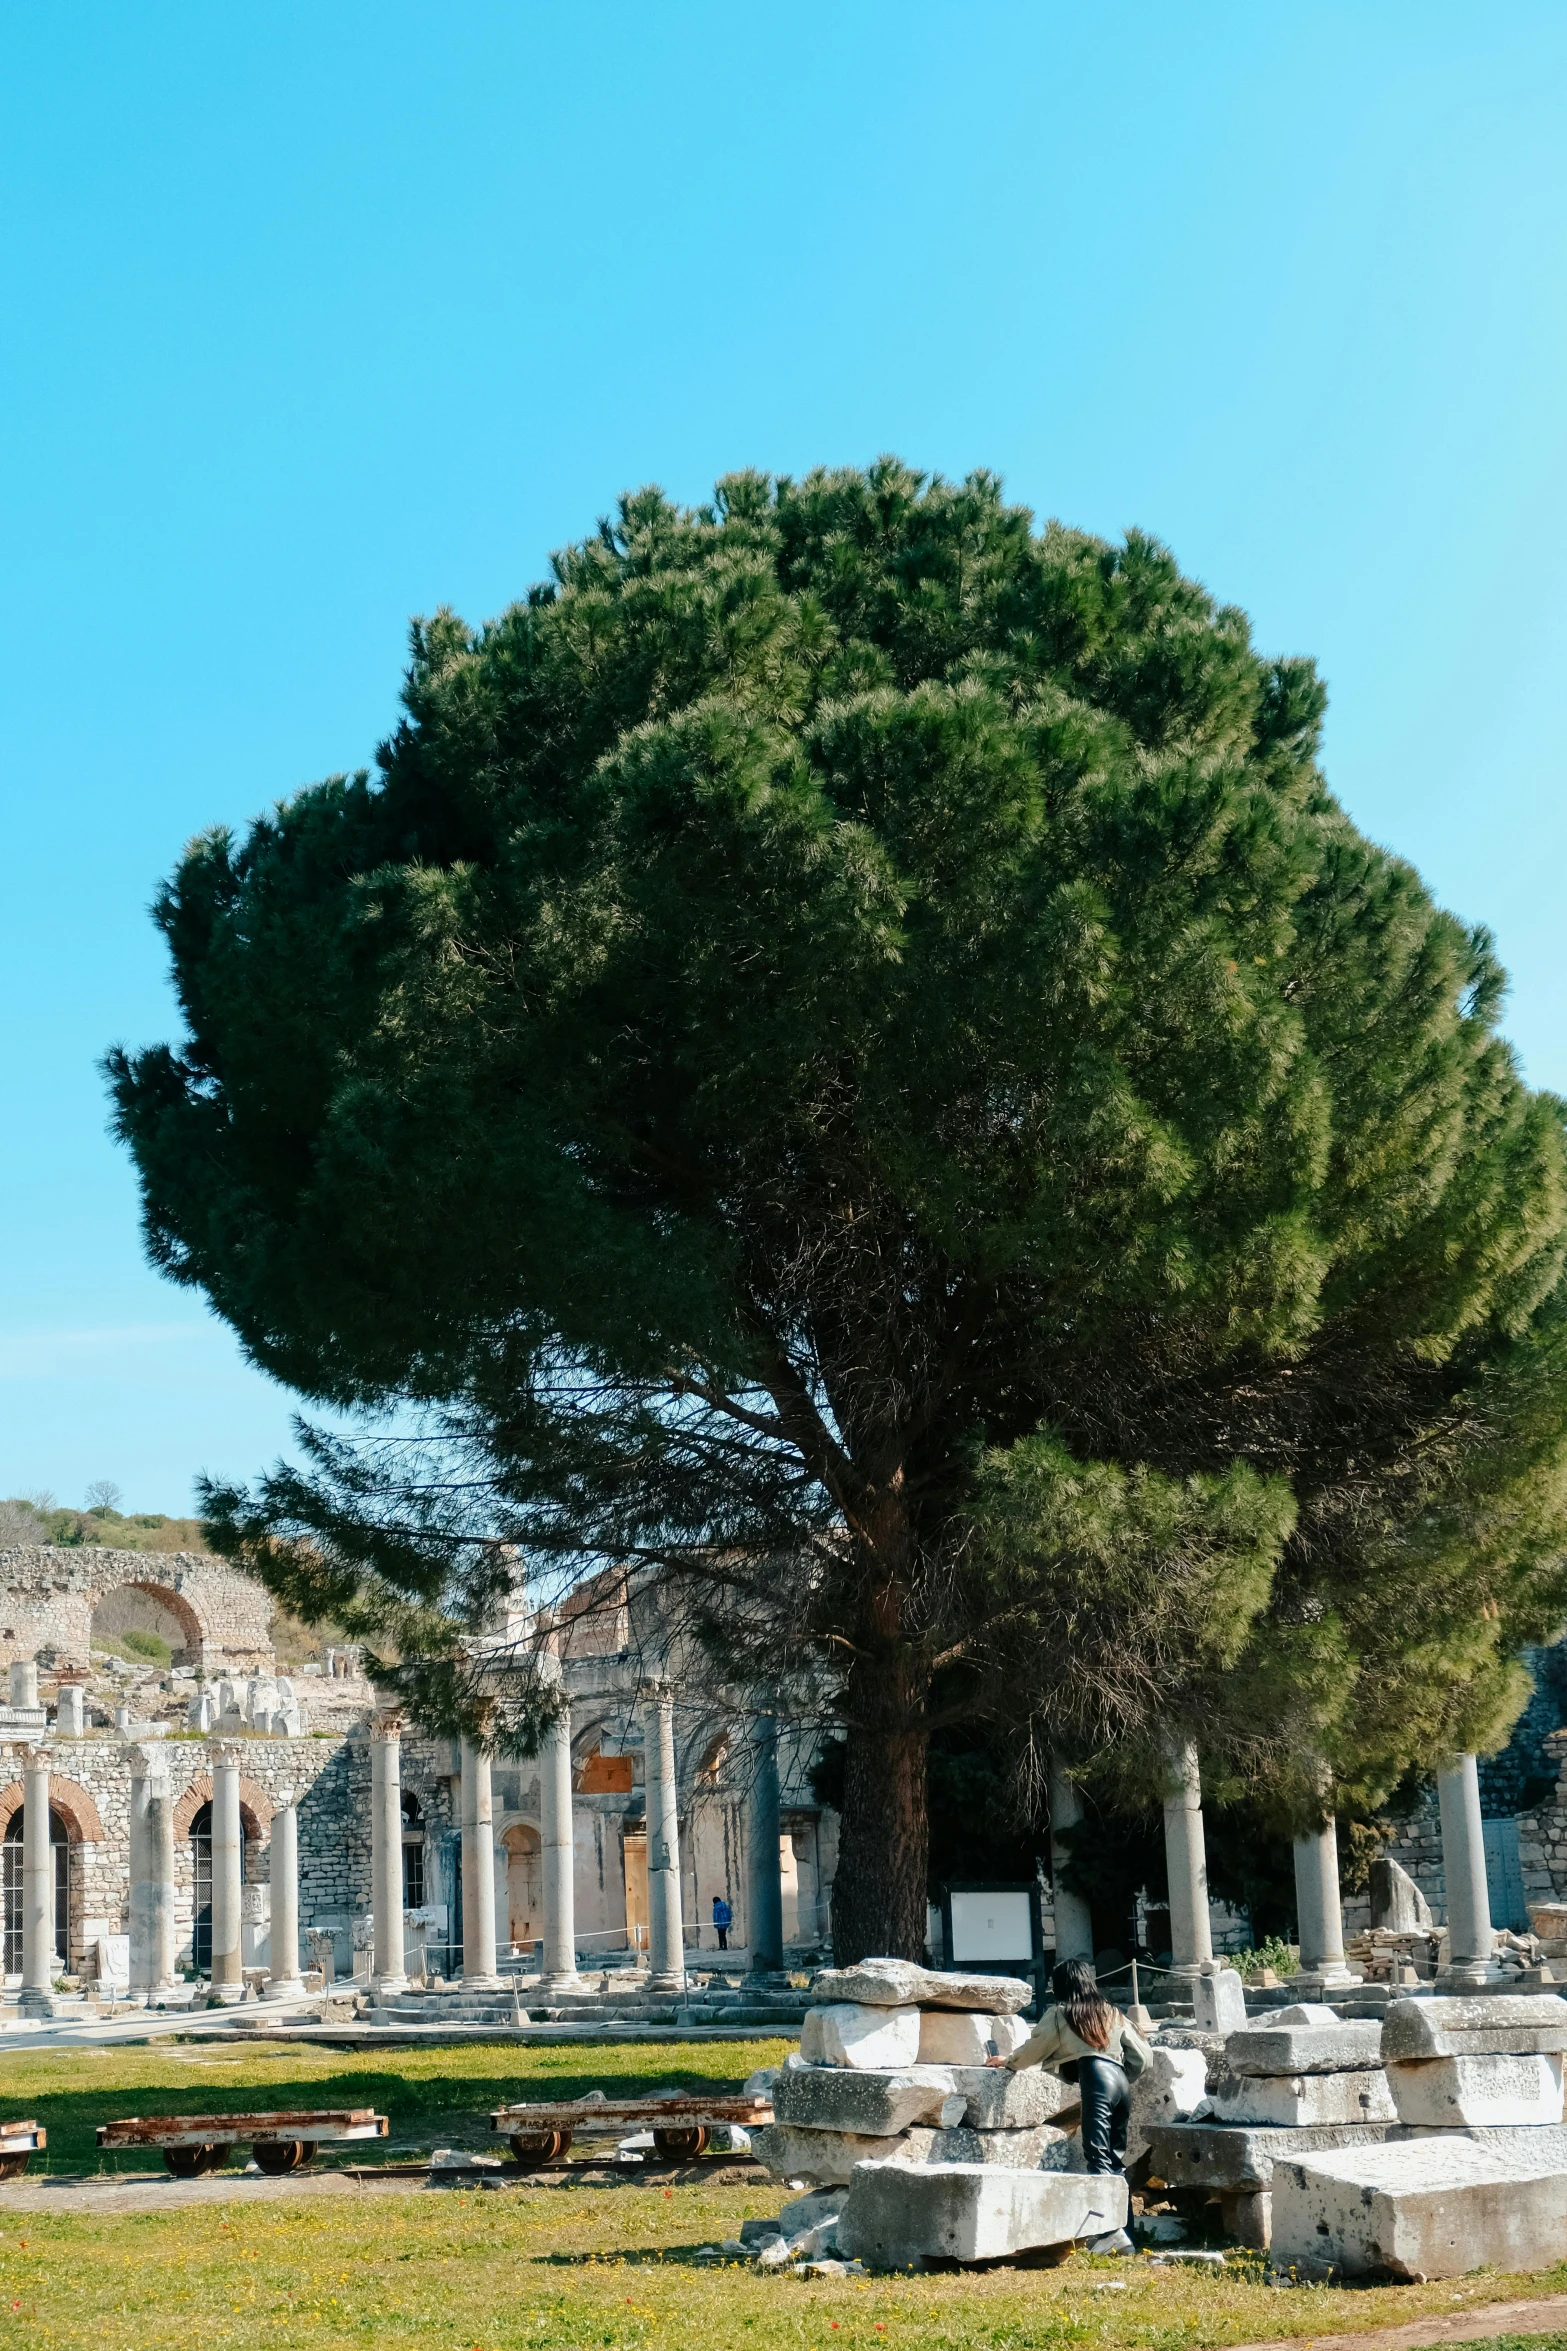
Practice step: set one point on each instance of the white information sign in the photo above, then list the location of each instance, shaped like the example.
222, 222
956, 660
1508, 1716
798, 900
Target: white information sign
991, 1926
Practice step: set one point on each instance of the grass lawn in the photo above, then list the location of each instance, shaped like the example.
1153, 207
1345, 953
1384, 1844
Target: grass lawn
560, 2269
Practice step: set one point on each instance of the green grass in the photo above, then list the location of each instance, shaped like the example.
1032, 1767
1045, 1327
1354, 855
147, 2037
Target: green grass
431, 2097
553, 2269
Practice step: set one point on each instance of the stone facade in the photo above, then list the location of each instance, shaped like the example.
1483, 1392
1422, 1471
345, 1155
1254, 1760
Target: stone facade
63, 1606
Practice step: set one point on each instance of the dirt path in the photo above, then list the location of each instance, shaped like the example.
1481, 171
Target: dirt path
1478, 2325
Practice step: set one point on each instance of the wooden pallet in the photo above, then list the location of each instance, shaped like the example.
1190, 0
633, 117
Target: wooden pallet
19, 2142
192, 2144
542, 2131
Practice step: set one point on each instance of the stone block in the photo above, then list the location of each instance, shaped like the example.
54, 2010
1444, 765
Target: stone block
805, 2212
1014, 2101
792, 2151
1396, 1901
871, 2040
963, 2036
1526, 2146
1172, 2087
1226, 2156
1354, 2047
1431, 2208
1287, 2100
1305, 2012
1515, 2024
1218, 2001
1441, 2091
844, 2098
972, 2212
1048, 2147
899, 1983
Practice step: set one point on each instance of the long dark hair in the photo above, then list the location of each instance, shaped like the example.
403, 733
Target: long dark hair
1081, 2002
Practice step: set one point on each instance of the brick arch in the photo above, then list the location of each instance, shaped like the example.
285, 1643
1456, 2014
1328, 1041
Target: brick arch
66, 1797
158, 1588
255, 1806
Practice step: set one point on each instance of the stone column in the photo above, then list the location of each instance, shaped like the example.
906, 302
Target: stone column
1469, 1939
1186, 1860
284, 1981
478, 1872
152, 1873
228, 1875
70, 1715
558, 1856
387, 1972
1318, 1911
1074, 1927
38, 1960
763, 1870
24, 1683
665, 1933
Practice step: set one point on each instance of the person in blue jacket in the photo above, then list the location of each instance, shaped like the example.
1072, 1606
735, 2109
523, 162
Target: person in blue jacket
723, 1920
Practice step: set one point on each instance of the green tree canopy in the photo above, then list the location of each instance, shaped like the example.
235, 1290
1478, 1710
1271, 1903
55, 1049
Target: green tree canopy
848, 1058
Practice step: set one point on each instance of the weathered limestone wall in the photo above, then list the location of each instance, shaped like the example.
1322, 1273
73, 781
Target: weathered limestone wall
48, 1597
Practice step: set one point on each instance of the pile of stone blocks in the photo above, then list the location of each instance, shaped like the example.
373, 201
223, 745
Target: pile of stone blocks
892, 2068
1303, 2082
1476, 2169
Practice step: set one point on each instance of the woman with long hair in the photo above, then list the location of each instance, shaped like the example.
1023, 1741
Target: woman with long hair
1084, 2039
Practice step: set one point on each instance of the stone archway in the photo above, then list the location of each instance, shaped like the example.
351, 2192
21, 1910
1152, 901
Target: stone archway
141, 1605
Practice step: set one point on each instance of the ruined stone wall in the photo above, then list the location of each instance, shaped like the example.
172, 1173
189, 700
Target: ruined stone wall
47, 1598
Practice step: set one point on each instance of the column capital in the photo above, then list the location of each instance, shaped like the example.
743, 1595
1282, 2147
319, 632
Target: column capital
147, 1758
224, 1754
389, 1725
37, 1758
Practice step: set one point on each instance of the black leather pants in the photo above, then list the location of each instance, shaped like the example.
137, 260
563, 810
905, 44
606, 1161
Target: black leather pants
1107, 2103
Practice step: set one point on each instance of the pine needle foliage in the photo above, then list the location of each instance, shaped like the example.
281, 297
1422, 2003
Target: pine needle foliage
847, 1062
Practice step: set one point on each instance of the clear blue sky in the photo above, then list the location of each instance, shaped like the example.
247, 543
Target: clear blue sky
318, 316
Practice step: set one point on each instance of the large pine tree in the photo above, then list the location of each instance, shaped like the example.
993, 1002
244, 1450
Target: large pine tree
847, 1057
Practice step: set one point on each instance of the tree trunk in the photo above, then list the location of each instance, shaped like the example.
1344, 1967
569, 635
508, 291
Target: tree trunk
879, 1893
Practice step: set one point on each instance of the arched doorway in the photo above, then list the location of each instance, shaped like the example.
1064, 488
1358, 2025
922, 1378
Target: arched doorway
524, 1883
11, 1876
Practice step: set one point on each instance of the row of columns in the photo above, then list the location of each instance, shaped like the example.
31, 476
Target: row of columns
666, 1935
1318, 1907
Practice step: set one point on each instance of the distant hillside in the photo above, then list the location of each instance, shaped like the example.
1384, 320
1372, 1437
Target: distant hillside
24, 1523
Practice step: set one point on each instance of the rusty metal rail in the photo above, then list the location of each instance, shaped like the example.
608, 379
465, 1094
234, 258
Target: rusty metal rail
192, 2144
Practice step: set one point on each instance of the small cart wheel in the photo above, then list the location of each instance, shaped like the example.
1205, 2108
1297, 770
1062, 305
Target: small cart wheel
193, 2163
275, 2156
680, 2146
532, 2148
13, 2166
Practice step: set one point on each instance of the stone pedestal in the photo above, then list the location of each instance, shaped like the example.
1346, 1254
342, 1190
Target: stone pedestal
1469, 1936
38, 1954
284, 1981
387, 1971
763, 1878
558, 1854
152, 1925
1074, 1927
70, 1714
478, 1872
228, 1875
1186, 1860
666, 1935
24, 1684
